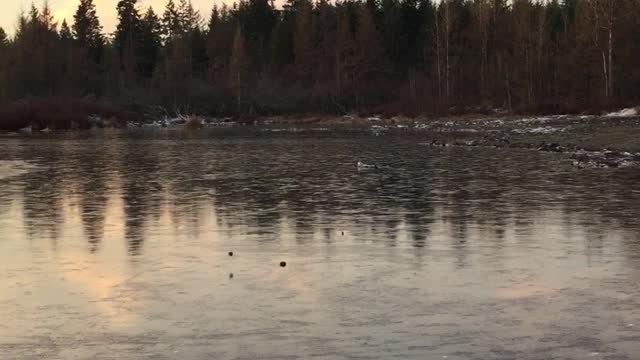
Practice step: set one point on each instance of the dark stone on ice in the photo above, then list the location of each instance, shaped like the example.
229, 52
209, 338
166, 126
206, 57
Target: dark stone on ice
551, 147
611, 154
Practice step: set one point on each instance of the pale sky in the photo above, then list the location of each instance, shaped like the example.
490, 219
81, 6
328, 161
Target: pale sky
9, 10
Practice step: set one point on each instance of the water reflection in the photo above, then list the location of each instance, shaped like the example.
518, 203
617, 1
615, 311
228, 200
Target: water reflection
130, 223
254, 185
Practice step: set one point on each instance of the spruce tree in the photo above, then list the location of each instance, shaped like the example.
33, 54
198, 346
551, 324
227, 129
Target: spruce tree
4, 39
87, 30
65, 48
189, 18
171, 24
65, 32
126, 38
128, 25
150, 43
4, 60
238, 66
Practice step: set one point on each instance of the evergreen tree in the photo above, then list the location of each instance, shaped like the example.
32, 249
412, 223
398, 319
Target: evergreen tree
87, 30
303, 41
67, 57
199, 57
238, 66
37, 64
369, 55
334, 56
128, 25
344, 56
150, 43
188, 17
4, 64
66, 36
4, 39
171, 22
219, 37
126, 38
257, 18
89, 41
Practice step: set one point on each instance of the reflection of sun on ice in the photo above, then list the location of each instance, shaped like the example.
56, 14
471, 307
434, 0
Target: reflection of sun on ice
101, 284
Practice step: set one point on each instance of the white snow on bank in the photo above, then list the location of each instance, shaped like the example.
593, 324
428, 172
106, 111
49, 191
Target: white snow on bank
628, 112
10, 168
539, 130
294, 129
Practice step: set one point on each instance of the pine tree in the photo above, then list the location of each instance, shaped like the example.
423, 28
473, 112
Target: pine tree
128, 25
69, 71
150, 43
188, 17
369, 55
126, 38
303, 41
214, 20
219, 38
88, 52
66, 36
257, 18
171, 23
199, 57
87, 30
4, 39
4, 60
36, 53
237, 66
344, 55
46, 20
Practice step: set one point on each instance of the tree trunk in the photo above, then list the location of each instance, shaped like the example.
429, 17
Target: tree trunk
610, 46
438, 61
604, 73
447, 65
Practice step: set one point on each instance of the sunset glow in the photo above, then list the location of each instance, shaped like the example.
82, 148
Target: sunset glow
64, 9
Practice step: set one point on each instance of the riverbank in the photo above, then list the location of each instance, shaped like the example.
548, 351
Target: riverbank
60, 114
605, 141
609, 140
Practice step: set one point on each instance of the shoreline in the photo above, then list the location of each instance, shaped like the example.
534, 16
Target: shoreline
591, 141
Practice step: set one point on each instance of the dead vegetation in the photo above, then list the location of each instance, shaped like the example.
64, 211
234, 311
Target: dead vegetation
59, 114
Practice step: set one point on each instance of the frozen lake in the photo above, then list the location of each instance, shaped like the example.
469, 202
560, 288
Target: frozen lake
114, 245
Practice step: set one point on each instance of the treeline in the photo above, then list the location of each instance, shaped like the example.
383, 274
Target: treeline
376, 55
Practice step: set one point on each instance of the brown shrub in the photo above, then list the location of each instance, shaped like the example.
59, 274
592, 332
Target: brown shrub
194, 122
58, 114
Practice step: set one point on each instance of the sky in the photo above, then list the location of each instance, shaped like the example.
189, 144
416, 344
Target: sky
64, 9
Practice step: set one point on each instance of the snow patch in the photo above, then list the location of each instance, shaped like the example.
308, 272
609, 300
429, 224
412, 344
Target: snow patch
628, 112
294, 129
539, 130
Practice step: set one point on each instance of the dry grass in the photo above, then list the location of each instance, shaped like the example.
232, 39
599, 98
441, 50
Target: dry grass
194, 122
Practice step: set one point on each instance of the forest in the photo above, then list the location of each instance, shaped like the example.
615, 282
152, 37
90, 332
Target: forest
372, 56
